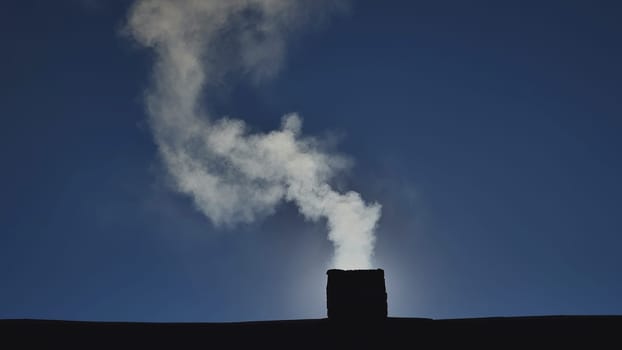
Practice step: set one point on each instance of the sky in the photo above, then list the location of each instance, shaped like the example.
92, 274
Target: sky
489, 131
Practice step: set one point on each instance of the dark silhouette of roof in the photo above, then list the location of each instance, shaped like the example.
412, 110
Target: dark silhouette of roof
398, 333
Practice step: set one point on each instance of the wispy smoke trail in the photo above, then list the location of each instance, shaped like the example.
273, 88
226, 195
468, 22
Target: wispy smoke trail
234, 175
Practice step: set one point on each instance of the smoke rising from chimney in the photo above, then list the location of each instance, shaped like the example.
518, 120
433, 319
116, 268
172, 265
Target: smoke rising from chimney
232, 174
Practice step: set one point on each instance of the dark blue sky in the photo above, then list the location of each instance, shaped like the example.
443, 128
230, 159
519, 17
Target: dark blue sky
488, 130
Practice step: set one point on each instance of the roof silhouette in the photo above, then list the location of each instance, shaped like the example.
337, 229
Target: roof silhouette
398, 333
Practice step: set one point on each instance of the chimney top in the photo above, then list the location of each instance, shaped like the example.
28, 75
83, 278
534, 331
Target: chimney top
356, 295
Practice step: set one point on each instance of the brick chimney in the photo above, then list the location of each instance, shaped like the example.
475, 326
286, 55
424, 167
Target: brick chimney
356, 295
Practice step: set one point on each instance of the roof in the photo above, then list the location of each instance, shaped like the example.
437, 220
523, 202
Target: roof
320, 333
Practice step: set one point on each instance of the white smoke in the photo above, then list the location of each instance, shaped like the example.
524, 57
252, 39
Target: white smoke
234, 175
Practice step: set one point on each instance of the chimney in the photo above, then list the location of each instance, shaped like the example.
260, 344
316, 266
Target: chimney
356, 295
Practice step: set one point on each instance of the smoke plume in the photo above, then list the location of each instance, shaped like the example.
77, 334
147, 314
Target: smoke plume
232, 174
